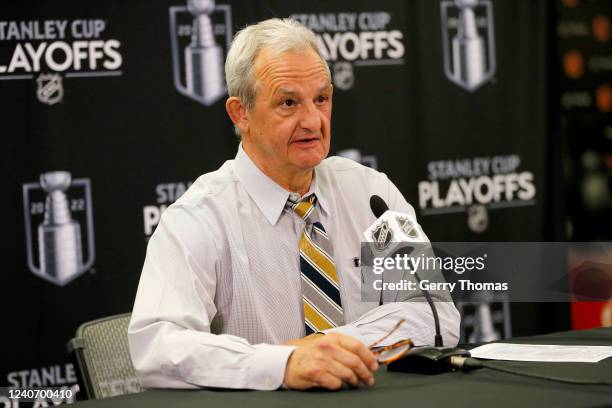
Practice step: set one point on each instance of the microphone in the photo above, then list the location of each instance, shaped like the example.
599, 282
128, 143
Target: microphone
379, 207
423, 360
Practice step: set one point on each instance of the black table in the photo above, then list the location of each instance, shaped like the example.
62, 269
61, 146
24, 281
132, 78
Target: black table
480, 388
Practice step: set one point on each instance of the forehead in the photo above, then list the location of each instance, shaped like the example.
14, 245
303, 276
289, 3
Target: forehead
302, 69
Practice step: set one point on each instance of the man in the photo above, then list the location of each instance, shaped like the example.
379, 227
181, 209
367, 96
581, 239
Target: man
261, 252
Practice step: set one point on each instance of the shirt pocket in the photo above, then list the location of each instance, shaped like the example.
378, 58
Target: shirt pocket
355, 296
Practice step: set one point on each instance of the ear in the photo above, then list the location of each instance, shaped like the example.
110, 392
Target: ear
238, 114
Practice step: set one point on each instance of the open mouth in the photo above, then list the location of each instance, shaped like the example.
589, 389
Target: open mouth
307, 141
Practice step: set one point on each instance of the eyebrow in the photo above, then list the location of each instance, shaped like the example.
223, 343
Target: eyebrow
288, 91
325, 87
285, 91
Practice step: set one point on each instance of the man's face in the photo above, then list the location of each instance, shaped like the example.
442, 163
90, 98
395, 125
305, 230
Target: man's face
289, 126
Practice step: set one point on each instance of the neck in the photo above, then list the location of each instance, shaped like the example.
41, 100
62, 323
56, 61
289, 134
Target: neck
291, 180
299, 183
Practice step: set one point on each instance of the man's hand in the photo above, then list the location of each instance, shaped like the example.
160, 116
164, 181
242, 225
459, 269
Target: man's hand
329, 361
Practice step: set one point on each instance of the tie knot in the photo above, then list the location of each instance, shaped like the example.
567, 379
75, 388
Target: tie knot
305, 207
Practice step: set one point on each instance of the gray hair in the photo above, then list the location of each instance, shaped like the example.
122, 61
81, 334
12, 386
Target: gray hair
278, 35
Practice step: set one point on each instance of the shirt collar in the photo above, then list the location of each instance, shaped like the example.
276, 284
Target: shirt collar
267, 194
315, 187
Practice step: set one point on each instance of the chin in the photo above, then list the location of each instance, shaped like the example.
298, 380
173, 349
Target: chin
310, 162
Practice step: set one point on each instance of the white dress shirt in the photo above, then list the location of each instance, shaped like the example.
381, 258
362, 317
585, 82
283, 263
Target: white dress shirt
220, 287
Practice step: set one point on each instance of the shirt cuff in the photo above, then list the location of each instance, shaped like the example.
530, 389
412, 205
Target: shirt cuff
348, 330
267, 370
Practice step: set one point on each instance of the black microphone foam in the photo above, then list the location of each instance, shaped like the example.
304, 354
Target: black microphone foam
378, 205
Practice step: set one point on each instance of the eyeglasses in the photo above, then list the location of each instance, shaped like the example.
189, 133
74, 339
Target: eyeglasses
395, 351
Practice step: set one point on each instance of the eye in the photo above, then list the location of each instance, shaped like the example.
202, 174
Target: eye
321, 99
288, 103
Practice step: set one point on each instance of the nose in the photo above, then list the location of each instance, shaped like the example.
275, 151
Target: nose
310, 117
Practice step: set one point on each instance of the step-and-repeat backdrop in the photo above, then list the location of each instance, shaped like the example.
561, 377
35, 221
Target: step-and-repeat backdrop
105, 123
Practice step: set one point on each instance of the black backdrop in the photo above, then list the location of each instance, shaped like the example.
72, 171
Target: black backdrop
130, 136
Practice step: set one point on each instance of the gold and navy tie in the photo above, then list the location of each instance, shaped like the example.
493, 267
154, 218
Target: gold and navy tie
320, 285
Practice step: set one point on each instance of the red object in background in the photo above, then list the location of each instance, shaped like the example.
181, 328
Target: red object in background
601, 28
590, 272
603, 96
570, 3
573, 64
587, 315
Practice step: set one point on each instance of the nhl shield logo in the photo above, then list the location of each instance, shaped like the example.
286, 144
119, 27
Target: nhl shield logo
478, 219
407, 227
200, 35
382, 236
468, 42
50, 89
59, 227
343, 75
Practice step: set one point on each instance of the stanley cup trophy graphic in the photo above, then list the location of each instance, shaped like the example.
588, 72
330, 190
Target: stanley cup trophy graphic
199, 32
469, 49
60, 247
354, 154
203, 57
483, 325
485, 317
59, 236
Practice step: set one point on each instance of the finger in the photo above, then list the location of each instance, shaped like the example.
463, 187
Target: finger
346, 374
354, 363
329, 381
358, 348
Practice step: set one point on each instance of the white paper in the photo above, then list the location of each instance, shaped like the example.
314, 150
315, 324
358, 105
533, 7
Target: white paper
542, 352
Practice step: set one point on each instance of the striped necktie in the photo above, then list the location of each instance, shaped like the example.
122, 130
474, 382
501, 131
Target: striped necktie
320, 285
